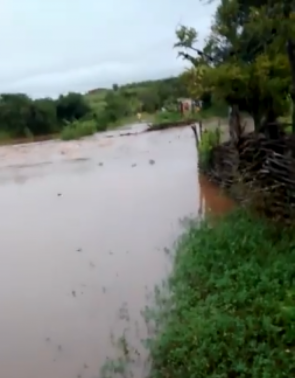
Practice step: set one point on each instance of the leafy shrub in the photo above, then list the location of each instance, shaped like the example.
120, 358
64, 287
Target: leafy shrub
72, 106
78, 129
231, 308
209, 140
102, 120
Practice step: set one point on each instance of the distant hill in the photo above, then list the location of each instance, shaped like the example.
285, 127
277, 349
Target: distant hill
97, 90
137, 84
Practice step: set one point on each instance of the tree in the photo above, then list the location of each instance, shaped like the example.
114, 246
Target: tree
43, 117
239, 68
116, 106
72, 106
265, 25
150, 100
115, 87
277, 18
15, 114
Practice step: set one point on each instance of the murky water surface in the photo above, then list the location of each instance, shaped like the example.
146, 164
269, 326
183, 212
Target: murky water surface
84, 226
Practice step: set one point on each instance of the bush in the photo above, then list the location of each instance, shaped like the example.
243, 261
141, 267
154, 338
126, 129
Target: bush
78, 129
102, 121
231, 308
72, 106
209, 140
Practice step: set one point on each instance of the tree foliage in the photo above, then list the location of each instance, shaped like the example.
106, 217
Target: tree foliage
244, 61
21, 116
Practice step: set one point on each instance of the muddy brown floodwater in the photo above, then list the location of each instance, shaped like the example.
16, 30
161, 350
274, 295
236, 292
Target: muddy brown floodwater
84, 226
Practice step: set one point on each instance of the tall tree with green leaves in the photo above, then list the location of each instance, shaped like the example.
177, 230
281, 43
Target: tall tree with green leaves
246, 65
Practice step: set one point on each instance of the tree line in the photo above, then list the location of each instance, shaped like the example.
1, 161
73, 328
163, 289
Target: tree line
22, 116
248, 61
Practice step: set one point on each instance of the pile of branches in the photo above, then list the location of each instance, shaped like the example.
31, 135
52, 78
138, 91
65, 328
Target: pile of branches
259, 171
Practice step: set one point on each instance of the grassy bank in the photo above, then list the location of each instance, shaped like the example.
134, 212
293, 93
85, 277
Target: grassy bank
231, 306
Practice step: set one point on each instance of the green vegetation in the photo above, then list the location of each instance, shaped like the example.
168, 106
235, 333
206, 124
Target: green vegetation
23, 117
78, 129
120, 105
209, 140
229, 309
247, 62
74, 115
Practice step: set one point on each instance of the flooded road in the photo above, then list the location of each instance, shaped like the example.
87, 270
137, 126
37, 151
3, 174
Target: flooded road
84, 230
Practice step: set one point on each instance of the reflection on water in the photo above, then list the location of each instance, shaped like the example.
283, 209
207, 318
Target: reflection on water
83, 242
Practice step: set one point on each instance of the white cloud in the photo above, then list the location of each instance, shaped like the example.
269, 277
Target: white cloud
53, 46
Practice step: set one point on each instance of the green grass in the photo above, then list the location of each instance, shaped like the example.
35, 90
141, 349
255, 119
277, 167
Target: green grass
78, 129
229, 308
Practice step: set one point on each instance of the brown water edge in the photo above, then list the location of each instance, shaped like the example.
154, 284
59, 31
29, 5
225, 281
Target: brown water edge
27, 140
212, 201
84, 241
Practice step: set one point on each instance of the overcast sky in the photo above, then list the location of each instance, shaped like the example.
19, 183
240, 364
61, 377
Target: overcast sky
55, 46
